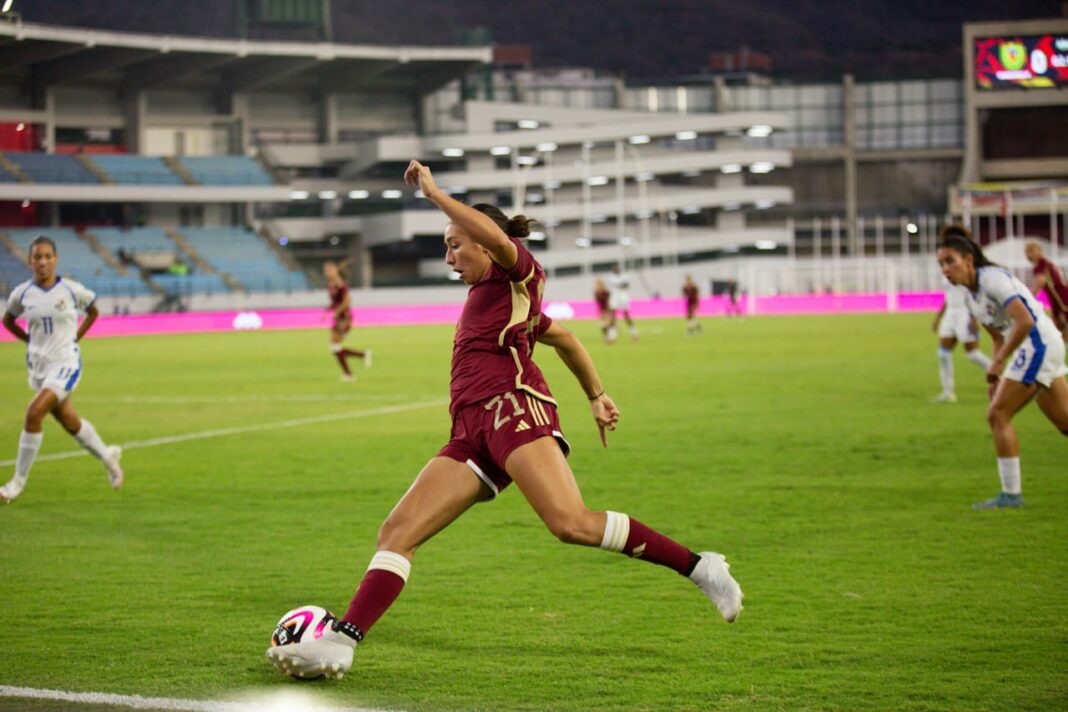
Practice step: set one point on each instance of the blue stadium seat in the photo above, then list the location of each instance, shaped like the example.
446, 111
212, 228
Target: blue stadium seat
12, 271
77, 259
51, 167
244, 255
136, 170
226, 170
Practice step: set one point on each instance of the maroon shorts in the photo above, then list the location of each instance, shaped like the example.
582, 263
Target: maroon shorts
342, 325
485, 434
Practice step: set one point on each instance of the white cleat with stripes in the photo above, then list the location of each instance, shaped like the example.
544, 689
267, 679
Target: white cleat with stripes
328, 656
112, 455
713, 575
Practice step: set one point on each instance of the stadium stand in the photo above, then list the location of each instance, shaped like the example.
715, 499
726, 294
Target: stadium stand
242, 254
12, 271
77, 259
226, 170
136, 170
155, 240
51, 168
6, 177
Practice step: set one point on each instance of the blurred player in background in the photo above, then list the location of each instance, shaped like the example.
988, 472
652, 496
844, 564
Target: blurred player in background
619, 301
600, 298
1050, 278
341, 312
49, 305
1028, 358
954, 323
734, 304
505, 428
692, 297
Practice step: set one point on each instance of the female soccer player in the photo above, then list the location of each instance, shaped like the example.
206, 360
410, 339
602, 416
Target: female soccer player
600, 297
504, 429
341, 312
954, 323
692, 296
50, 305
1048, 277
1028, 359
619, 301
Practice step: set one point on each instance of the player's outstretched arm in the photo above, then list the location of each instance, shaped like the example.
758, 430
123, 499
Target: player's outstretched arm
17, 331
90, 316
578, 361
477, 226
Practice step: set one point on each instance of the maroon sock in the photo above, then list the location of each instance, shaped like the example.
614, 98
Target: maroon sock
344, 364
652, 546
377, 592
350, 352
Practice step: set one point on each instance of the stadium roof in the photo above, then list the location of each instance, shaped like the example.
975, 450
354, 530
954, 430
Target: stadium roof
52, 55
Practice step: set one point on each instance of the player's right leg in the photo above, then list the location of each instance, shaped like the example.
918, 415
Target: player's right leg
84, 432
1054, 403
542, 474
29, 442
445, 489
945, 371
1009, 398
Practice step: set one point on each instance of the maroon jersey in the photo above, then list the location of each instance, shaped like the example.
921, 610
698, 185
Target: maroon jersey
1056, 287
495, 337
690, 292
338, 292
601, 297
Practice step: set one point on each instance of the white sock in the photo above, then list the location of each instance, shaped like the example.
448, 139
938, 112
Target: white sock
1009, 470
978, 358
29, 444
945, 369
88, 438
616, 530
391, 562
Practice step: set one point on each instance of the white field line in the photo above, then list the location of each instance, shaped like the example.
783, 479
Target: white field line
241, 429
258, 702
280, 398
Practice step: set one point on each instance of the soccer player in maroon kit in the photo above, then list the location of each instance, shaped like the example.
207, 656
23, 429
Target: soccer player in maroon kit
1050, 278
504, 428
690, 292
600, 297
341, 311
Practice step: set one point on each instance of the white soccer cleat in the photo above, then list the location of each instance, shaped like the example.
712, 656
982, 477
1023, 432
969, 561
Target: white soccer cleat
330, 656
346, 378
367, 358
945, 397
11, 490
712, 574
112, 455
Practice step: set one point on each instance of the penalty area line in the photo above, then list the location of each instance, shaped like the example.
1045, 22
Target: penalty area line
257, 701
242, 429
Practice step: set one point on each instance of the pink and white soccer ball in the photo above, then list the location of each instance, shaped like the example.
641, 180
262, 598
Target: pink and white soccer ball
303, 623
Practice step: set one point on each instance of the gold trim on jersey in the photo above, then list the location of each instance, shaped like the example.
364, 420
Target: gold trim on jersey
520, 386
520, 314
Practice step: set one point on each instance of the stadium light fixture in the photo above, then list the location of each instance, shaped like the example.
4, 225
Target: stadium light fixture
644, 176
691, 174
456, 189
359, 194
638, 140
643, 214
766, 244
762, 167
599, 219
764, 204
912, 228
335, 240
535, 198
732, 206
298, 195
27, 203
526, 160
7, 5
454, 276
597, 180
283, 241
327, 194
452, 152
583, 242
626, 241
500, 151
691, 210
759, 131
551, 184
392, 194
685, 135
528, 123
20, 126
537, 236
547, 147
730, 168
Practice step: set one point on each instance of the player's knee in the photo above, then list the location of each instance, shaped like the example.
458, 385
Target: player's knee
393, 536
572, 529
997, 417
34, 419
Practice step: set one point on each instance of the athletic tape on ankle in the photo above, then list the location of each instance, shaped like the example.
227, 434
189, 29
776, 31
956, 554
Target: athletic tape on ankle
616, 530
394, 563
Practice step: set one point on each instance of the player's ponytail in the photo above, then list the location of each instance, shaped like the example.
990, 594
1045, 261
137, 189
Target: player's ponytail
957, 237
518, 226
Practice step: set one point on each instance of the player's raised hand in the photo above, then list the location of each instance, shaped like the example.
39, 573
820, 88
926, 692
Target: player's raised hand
606, 414
419, 176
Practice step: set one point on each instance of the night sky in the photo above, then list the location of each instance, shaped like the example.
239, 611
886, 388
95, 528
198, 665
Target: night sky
640, 39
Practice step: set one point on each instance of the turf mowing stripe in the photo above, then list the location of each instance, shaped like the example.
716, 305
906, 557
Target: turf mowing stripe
241, 429
262, 701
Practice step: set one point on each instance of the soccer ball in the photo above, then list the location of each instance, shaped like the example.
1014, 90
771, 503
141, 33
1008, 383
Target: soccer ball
304, 623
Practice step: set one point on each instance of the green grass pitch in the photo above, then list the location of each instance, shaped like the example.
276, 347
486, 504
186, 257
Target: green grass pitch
803, 448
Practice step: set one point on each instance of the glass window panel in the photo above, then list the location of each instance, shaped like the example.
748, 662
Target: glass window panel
914, 137
914, 113
945, 89
885, 114
884, 92
913, 91
783, 97
943, 113
884, 137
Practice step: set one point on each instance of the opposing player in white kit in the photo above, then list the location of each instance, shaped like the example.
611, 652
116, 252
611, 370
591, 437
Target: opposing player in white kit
619, 301
1028, 360
955, 323
50, 305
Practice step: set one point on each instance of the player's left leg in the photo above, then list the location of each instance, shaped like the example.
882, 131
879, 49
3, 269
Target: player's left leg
542, 474
945, 371
971, 350
1009, 398
84, 432
29, 442
1054, 403
339, 353
631, 326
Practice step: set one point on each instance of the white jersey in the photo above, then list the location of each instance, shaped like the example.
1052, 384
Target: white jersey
956, 296
1040, 358
52, 315
618, 291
